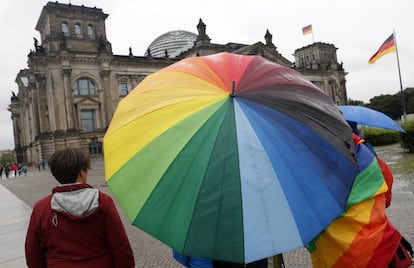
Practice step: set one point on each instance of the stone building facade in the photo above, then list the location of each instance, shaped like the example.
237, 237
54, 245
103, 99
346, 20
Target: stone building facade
319, 64
73, 82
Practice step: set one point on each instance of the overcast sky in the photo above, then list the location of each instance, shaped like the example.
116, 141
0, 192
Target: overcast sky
357, 28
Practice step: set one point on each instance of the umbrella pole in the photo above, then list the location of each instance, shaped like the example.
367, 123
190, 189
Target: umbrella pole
278, 261
233, 88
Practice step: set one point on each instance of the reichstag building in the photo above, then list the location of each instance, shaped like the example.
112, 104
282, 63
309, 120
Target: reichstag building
73, 82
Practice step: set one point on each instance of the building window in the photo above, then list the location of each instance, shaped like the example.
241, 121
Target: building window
95, 148
123, 89
88, 120
84, 87
65, 28
90, 30
78, 29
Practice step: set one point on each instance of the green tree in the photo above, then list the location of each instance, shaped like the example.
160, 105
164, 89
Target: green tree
387, 104
409, 99
410, 105
391, 105
355, 102
7, 159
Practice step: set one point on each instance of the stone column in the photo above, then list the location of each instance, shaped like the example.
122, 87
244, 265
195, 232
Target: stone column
102, 107
107, 99
40, 79
31, 120
58, 97
16, 110
26, 122
67, 94
51, 103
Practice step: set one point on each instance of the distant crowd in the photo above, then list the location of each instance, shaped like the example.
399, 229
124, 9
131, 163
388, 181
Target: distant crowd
12, 170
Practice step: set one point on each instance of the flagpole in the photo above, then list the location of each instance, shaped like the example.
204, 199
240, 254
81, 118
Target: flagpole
401, 86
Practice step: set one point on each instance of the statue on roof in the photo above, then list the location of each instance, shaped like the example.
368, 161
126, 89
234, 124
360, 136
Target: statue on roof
201, 27
14, 97
268, 38
36, 43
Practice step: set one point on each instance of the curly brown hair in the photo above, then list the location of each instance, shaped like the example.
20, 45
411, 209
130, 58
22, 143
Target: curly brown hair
66, 164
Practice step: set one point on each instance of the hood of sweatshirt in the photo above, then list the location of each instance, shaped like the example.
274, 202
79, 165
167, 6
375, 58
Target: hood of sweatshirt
76, 202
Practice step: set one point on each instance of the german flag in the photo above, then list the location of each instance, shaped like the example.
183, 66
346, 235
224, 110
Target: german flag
307, 29
387, 47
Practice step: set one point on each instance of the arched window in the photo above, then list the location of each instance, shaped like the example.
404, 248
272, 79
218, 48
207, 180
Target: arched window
65, 28
84, 87
78, 29
90, 30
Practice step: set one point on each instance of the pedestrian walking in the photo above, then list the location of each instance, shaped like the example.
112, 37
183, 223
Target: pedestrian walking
13, 170
38, 164
1, 170
7, 170
43, 164
76, 225
23, 169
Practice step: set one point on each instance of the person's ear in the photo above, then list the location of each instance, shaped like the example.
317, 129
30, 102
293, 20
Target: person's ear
83, 174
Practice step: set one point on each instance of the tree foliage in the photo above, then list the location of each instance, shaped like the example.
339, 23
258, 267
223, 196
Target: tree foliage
355, 102
390, 105
7, 159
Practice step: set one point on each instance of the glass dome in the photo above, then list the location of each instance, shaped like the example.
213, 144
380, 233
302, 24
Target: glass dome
174, 42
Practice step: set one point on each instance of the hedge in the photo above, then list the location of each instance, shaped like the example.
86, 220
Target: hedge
407, 138
378, 137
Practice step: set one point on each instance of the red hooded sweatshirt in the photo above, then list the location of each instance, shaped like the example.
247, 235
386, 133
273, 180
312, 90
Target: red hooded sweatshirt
77, 226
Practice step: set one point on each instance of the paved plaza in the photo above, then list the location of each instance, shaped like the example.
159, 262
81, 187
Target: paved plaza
18, 195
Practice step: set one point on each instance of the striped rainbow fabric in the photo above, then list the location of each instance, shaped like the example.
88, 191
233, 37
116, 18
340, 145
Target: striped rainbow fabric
363, 235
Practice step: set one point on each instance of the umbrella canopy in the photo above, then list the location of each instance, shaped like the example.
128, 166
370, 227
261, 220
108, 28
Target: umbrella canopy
229, 157
369, 117
362, 236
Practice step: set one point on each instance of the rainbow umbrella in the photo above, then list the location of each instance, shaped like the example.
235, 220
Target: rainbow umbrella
363, 236
229, 157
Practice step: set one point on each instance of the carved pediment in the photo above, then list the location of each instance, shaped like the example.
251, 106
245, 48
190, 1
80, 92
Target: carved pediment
86, 101
255, 49
267, 52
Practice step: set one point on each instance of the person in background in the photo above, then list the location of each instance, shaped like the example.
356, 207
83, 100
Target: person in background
24, 169
13, 170
363, 236
38, 164
196, 262
43, 164
76, 225
7, 170
192, 262
1, 170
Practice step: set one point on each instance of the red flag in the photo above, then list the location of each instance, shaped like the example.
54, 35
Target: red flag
387, 47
